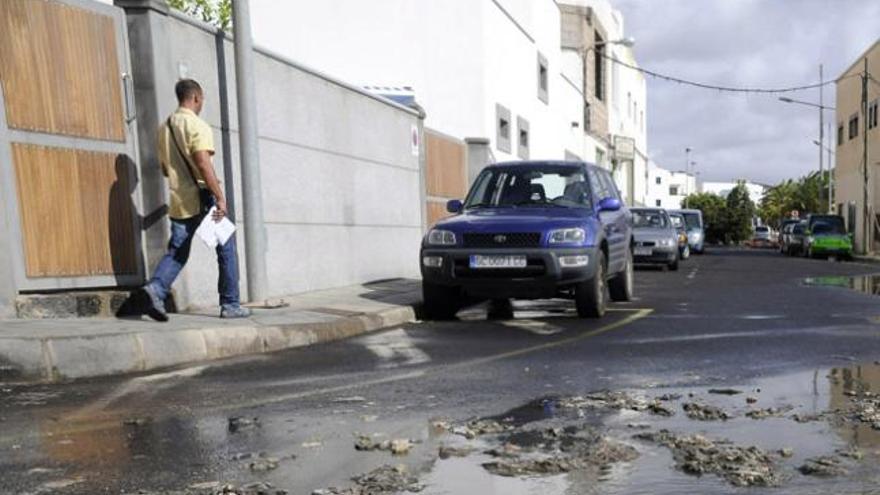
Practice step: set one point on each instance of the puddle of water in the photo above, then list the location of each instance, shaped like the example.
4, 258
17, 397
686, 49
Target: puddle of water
806, 393
866, 284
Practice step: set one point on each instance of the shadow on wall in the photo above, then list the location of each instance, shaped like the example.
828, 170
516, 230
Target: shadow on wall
121, 212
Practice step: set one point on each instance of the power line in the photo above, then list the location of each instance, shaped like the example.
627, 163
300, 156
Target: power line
714, 87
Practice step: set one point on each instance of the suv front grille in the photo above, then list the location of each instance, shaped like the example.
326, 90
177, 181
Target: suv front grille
503, 240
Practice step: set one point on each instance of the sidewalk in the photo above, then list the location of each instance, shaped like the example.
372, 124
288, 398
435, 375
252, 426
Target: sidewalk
57, 350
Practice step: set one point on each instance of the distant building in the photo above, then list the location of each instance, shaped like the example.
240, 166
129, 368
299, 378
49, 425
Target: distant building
523, 79
667, 189
853, 122
756, 191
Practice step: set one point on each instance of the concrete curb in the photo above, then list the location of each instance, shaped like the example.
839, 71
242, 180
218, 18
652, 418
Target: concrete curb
56, 359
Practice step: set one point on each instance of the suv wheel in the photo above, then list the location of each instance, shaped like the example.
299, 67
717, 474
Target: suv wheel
589, 296
621, 286
440, 302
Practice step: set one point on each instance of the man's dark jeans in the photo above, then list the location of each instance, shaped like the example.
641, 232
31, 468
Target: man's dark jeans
182, 234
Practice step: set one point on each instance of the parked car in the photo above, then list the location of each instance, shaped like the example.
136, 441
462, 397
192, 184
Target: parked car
655, 238
826, 235
531, 230
796, 239
782, 226
785, 234
696, 229
762, 237
684, 249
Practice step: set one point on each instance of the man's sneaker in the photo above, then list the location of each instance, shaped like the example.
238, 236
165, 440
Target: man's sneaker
155, 306
233, 312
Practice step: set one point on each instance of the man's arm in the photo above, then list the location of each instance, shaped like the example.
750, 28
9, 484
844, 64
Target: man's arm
206, 167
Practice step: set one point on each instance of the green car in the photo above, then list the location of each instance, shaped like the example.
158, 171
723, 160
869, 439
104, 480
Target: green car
827, 236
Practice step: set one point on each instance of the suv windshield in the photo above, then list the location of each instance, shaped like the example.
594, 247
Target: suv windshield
649, 219
820, 228
692, 220
565, 187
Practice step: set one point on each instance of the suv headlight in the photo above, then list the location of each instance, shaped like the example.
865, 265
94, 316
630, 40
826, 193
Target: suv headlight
666, 242
439, 237
567, 236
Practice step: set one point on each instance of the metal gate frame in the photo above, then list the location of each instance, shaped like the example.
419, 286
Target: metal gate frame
129, 147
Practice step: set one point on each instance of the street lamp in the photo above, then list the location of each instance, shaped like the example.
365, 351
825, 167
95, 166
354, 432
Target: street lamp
821, 140
628, 42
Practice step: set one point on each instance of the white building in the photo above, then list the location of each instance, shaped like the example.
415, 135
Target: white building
498, 69
756, 191
667, 189
628, 104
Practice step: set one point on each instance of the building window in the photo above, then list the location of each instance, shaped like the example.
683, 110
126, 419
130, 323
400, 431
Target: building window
587, 120
523, 131
629, 104
599, 62
839, 134
853, 126
872, 114
657, 202
659, 180
543, 79
673, 190
502, 118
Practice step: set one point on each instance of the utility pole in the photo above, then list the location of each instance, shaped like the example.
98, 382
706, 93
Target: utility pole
868, 229
831, 169
822, 133
687, 168
251, 186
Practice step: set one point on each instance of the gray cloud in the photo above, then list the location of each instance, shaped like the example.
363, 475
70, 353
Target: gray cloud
755, 43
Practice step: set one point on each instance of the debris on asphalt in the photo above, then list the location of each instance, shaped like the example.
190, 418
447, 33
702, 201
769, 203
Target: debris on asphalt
697, 455
725, 391
669, 397
769, 412
852, 453
824, 466
217, 488
385, 480
618, 401
556, 450
446, 451
478, 427
137, 421
237, 423
786, 452
264, 464
704, 412
751, 400
806, 418
311, 445
398, 446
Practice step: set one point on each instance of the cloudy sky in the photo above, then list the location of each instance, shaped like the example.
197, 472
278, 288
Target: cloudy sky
763, 43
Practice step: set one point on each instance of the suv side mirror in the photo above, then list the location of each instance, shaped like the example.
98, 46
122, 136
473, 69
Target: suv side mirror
610, 204
454, 206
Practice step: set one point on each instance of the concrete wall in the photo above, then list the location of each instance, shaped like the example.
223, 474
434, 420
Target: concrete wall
341, 183
848, 171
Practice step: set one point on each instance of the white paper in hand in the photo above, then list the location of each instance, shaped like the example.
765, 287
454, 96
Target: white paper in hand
213, 233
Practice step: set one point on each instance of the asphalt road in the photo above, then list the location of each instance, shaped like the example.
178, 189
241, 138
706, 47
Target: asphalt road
730, 318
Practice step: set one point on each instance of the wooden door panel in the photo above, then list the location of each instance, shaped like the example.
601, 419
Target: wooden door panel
76, 210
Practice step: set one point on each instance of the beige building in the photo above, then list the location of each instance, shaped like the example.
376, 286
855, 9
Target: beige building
852, 123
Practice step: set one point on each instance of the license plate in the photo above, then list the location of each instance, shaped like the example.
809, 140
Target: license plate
510, 261
644, 251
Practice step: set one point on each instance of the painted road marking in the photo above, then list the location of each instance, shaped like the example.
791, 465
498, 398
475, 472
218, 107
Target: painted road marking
638, 314
395, 348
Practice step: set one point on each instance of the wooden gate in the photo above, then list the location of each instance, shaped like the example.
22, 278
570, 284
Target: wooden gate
67, 145
446, 173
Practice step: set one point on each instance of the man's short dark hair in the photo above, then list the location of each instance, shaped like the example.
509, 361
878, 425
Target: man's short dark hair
186, 89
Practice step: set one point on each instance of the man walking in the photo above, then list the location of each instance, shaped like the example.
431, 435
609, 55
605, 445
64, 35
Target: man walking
186, 147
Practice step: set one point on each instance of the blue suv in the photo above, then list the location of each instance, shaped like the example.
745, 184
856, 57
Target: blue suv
531, 230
